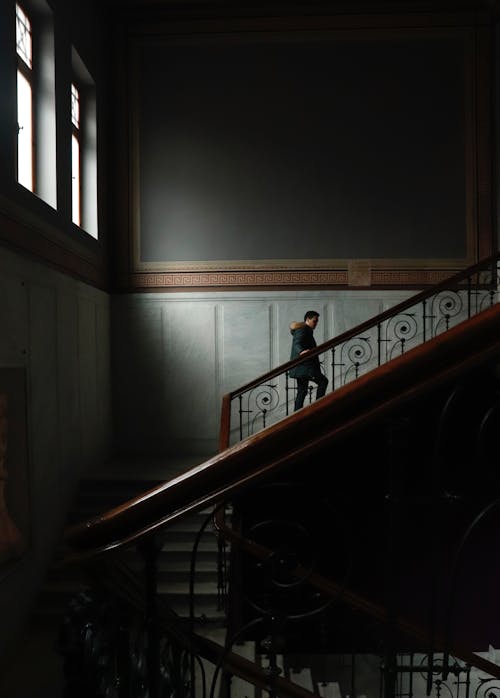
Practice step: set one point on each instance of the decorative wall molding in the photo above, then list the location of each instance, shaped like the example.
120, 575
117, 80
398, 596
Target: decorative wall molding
320, 279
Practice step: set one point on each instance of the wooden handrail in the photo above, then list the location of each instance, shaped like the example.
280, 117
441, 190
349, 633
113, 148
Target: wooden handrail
301, 434
453, 282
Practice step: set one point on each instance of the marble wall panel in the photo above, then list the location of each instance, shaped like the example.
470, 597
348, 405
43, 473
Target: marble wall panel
68, 384
13, 319
138, 369
104, 426
348, 312
247, 349
190, 379
87, 363
42, 384
41, 329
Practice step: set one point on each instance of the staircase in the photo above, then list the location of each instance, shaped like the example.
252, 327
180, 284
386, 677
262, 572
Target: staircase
118, 483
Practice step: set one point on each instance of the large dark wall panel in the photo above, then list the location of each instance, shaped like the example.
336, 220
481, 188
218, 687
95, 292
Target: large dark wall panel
311, 149
306, 151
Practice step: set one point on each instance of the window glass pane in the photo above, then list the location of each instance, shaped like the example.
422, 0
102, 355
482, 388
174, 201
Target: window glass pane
24, 138
75, 173
75, 107
23, 36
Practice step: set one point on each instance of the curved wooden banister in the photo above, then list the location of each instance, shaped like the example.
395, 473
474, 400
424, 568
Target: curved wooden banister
328, 420
452, 283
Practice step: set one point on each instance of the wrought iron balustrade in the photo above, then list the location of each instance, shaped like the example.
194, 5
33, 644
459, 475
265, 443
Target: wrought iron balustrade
270, 398
306, 545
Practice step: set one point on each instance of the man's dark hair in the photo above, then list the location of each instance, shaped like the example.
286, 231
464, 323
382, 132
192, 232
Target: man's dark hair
311, 313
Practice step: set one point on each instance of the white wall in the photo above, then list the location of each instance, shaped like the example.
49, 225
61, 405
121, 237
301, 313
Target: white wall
176, 354
58, 329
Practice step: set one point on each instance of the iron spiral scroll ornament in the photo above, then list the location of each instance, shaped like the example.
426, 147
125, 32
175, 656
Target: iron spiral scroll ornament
260, 403
487, 688
400, 331
354, 354
447, 308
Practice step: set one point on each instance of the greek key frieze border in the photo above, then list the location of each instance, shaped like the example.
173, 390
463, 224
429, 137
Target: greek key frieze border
249, 279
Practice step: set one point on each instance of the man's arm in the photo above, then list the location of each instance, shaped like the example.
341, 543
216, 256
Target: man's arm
300, 338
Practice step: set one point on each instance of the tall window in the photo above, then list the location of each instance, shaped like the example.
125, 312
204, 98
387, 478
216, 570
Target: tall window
75, 157
83, 147
36, 99
25, 149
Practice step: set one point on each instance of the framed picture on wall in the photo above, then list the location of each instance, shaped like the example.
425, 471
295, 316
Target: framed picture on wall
14, 476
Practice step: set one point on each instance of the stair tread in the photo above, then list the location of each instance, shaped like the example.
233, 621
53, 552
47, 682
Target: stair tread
180, 546
245, 649
302, 678
201, 588
201, 608
329, 689
181, 567
240, 687
177, 587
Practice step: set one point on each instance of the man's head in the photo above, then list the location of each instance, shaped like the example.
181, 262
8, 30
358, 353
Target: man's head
311, 318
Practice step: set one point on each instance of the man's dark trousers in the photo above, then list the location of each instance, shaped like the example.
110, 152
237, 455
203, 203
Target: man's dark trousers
302, 385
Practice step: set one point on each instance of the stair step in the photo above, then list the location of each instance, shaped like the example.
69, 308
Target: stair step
239, 687
187, 536
203, 589
329, 689
218, 635
202, 607
170, 578
178, 550
190, 523
180, 545
183, 567
172, 573
92, 506
303, 678
69, 585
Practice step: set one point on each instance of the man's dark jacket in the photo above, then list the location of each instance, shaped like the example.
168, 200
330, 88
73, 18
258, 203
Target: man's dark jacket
303, 339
